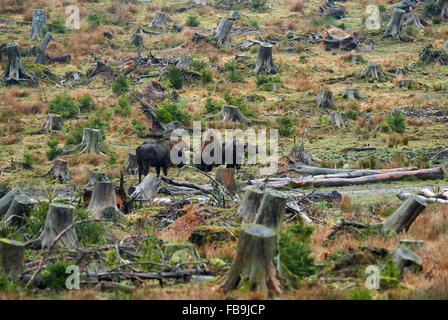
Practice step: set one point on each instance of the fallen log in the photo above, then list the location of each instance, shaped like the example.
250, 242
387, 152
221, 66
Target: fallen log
7, 199
362, 173
358, 149
147, 189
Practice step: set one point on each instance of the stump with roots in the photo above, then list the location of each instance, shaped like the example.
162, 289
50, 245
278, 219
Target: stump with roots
59, 217
250, 205
7, 199
404, 216
147, 189
160, 20
12, 256
222, 32
59, 171
405, 84
265, 62
38, 24
15, 71
53, 122
253, 267
393, 28
372, 72
415, 20
339, 119
131, 163
92, 142
226, 177
41, 57
21, 207
325, 99
352, 93
232, 114
104, 203
136, 40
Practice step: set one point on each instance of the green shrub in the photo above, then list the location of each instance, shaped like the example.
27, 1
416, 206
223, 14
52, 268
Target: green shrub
192, 21
233, 71
85, 103
55, 276
396, 122
382, 8
206, 75
294, 247
150, 251
258, 4
359, 293
27, 160
170, 111
431, 8
286, 127
58, 24
123, 109
253, 23
75, 135
54, 150
211, 107
198, 65
63, 105
353, 114
139, 128
238, 102
120, 85
264, 78
94, 19
90, 233
175, 78
35, 221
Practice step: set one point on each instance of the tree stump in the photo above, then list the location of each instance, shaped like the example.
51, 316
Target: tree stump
339, 119
415, 20
95, 176
445, 46
253, 266
12, 256
7, 199
325, 99
38, 24
232, 114
147, 189
59, 171
226, 177
235, 15
373, 71
53, 122
92, 142
136, 40
20, 207
184, 62
352, 93
272, 209
131, 163
160, 20
393, 28
404, 216
222, 32
405, 258
265, 62
103, 198
250, 205
41, 50
15, 71
405, 84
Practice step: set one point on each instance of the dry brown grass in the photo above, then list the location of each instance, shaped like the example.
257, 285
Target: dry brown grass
294, 5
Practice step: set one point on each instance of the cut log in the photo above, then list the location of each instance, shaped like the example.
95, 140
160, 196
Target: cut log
443, 194
339, 119
7, 199
147, 189
131, 163
12, 256
232, 114
59, 171
65, 58
415, 20
405, 258
250, 205
358, 149
20, 207
373, 71
272, 209
427, 193
59, 217
405, 5
41, 50
136, 40
15, 71
222, 32
393, 28
352, 93
38, 24
404, 216
53, 122
265, 62
325, 99
160, 20
92, 142
226, 177
362, 173
104, 203
253, 266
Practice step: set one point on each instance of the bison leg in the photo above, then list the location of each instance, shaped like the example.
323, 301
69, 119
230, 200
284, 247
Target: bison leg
165, 170
158, 171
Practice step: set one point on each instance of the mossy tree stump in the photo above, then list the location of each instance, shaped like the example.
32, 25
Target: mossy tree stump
95, 176
15, 70
59, 171
92, 143
131, 163
372, 72
21, 206
12, 254
160, 20
393, 28
53, 122
7, 199
325, 99
38, 24
231, 114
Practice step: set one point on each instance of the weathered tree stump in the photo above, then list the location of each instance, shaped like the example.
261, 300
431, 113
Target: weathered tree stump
272, 209
405, 84
131, 163
160, 20
184, 62
59, 171
7, 199
405, 258
393, 28
352, 93
265, 62
253, 266
222, 32
226, 177
373, 71
103, 202
95, 176
41, 57
12, 256
325, 99
15, 71
92, 142
250, 205
339, 119
404, 216
136, 40
147, 189
20, 207
415, 20
235, 15
38, 24
53, 122
232, 114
